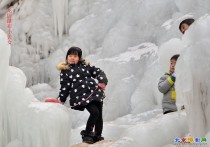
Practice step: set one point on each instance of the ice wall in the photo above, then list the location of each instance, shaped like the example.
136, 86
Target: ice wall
127, 75
193, 71
25, 121
156, 132
112, 25
33, 37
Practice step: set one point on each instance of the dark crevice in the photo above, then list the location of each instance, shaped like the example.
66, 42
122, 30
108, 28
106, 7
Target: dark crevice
13, 3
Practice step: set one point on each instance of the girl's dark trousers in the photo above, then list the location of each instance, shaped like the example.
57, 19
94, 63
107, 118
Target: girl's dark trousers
95, 119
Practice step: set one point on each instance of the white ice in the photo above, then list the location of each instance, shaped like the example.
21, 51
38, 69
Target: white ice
132, 41
194, 74
24, 120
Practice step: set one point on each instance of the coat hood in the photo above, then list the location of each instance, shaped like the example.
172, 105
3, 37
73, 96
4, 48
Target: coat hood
64, 66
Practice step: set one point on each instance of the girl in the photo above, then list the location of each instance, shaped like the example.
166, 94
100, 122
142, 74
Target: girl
77, 79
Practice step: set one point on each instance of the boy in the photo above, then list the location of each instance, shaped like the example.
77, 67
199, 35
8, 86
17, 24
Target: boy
166, 86
184, 25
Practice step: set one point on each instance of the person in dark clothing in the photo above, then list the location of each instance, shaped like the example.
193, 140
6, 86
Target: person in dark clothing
77, 79
185, 24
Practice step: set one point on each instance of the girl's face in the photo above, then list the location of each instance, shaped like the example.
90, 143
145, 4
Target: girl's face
184, 27
73, 59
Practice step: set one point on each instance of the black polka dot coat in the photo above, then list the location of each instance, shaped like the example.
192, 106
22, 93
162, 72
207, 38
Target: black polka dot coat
78, 81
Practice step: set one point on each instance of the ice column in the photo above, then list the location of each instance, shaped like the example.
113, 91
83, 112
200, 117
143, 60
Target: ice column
4, 64
60, 12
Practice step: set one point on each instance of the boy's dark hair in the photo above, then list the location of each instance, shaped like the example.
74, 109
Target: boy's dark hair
188, 21
74, 51
175, 57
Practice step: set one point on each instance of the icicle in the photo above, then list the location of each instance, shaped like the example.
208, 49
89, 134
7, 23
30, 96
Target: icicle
4, 65
60, 11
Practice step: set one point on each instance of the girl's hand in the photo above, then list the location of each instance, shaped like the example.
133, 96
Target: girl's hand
53, 100
102, 86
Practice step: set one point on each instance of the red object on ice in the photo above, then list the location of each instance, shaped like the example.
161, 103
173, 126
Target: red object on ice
53, 100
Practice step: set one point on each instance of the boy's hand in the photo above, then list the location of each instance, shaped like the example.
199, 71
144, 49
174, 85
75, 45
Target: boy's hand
173, 74
102, 86
173, 77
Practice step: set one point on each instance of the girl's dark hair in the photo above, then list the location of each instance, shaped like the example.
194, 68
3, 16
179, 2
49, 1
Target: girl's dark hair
175, 57
74, 51
188, 21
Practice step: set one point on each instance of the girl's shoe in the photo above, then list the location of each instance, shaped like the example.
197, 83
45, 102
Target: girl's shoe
87, 137
98, 138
